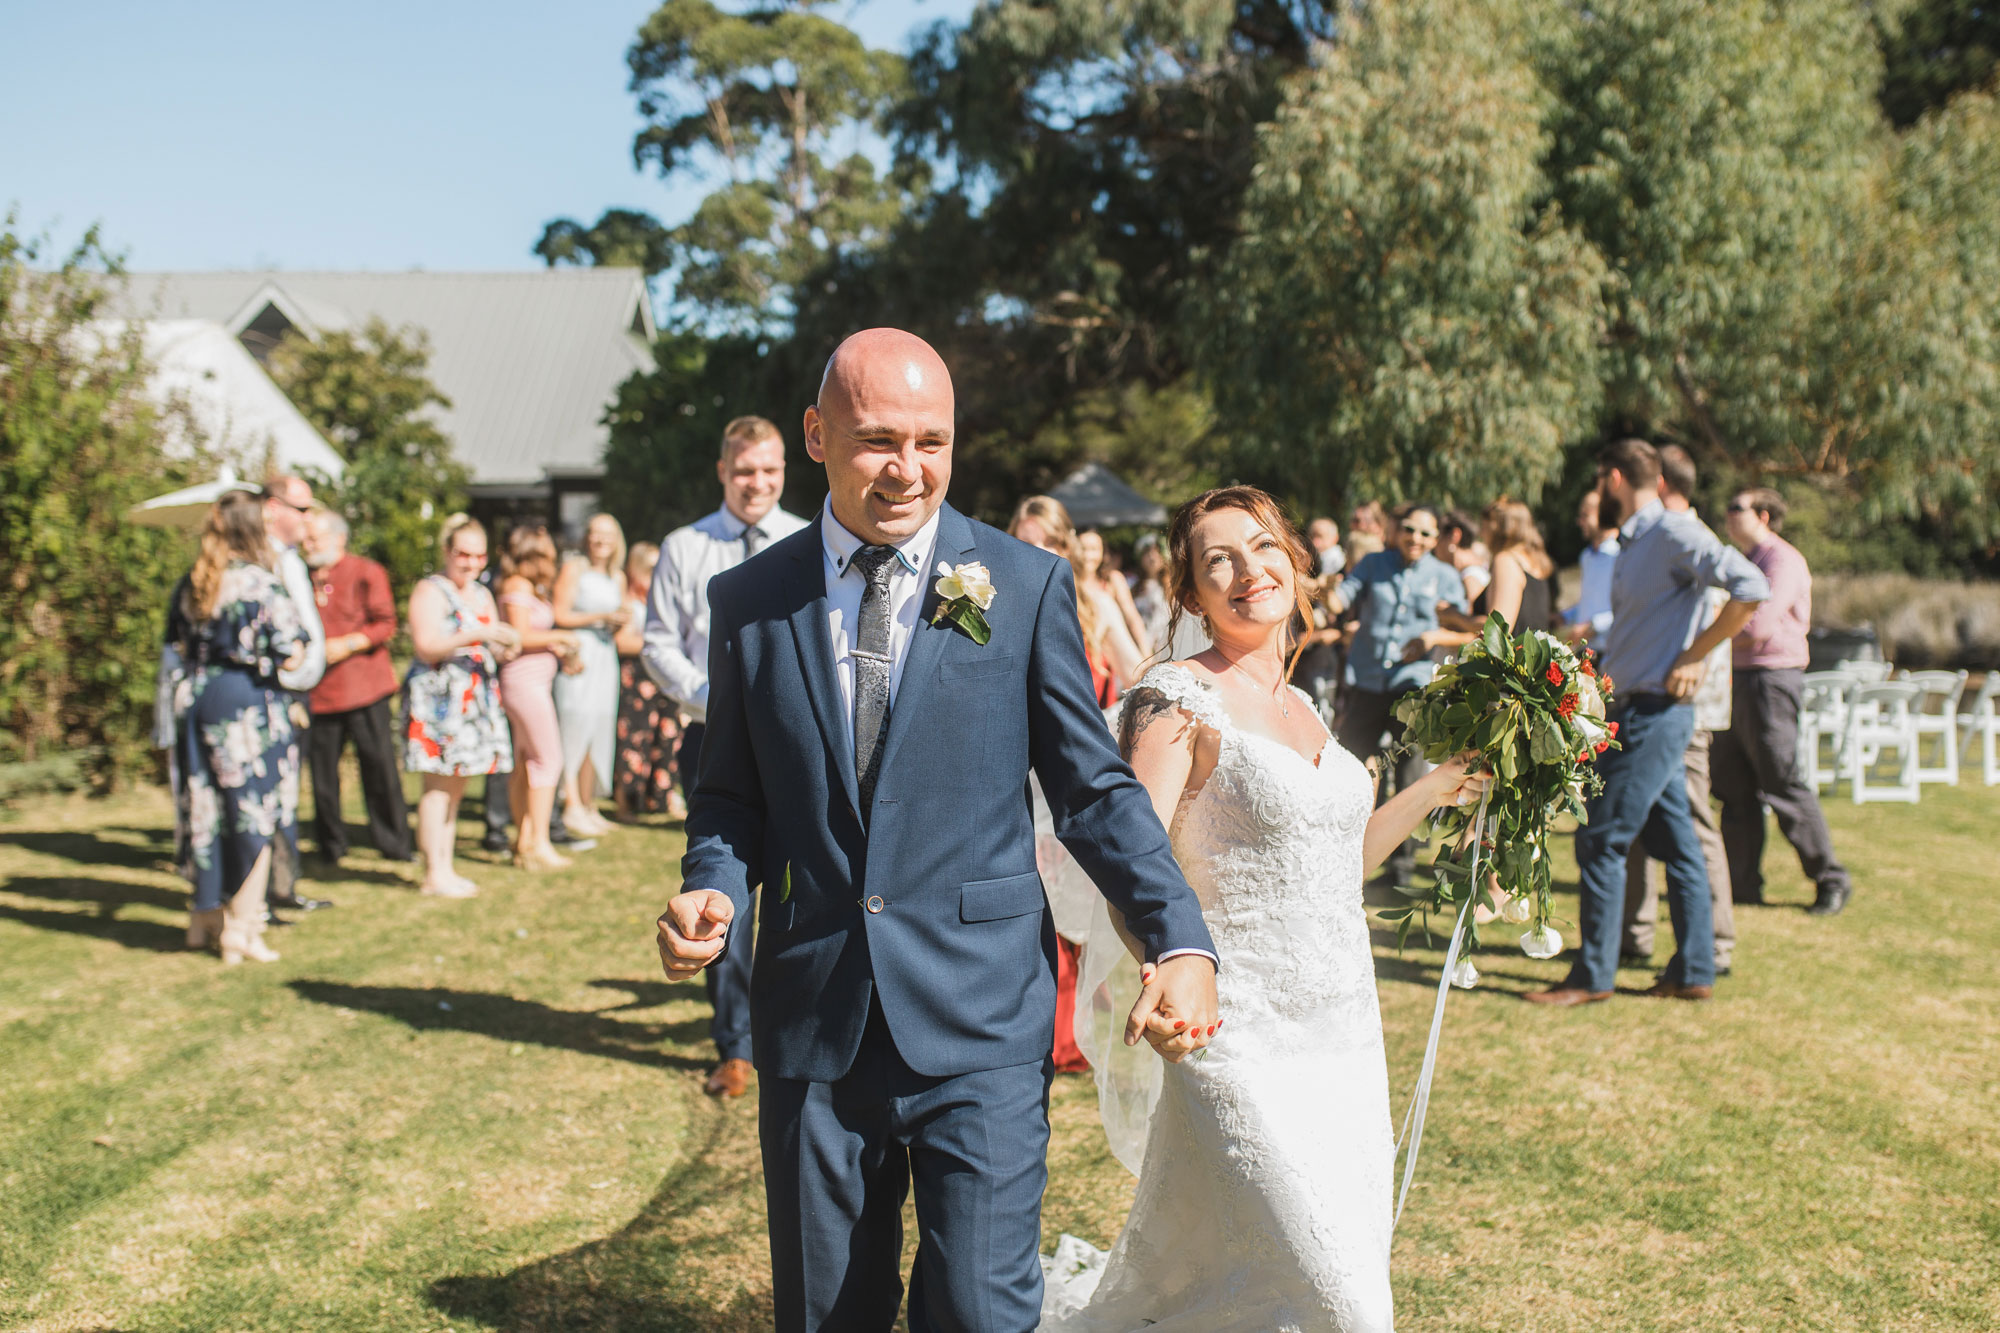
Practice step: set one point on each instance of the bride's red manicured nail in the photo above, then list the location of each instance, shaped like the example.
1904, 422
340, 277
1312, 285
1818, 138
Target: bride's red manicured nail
1212, 1027
1179, 1024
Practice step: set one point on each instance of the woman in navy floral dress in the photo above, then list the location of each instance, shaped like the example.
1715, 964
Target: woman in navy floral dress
233, 626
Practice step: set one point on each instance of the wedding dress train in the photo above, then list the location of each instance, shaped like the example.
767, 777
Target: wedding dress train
1264, 1202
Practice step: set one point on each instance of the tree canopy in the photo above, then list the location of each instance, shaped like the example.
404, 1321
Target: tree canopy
1385, 249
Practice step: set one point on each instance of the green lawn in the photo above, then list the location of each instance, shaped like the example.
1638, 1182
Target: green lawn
488, 1114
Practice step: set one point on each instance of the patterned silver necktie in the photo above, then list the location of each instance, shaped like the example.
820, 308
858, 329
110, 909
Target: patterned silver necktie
753, 540
872, 661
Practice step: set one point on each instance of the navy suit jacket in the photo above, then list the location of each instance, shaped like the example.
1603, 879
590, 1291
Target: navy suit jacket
960, 947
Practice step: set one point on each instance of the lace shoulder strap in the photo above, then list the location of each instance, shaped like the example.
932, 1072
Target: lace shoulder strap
1177, 686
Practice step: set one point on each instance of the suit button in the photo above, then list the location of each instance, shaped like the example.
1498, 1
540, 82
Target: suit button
875, 902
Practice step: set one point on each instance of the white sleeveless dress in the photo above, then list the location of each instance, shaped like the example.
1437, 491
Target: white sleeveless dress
1264, 1202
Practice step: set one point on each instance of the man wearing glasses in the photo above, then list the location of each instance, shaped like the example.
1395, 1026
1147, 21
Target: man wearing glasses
1394, 594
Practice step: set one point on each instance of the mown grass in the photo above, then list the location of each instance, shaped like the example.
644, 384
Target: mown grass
488, 1114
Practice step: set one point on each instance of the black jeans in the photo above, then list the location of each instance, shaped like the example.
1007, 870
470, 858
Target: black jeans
381, 782
1755, 764
1364, 716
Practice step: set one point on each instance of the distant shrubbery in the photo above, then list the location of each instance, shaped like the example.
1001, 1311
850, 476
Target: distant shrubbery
82, 591
1921, 622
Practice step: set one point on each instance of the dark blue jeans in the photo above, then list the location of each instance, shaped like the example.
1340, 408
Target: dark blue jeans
1644, 799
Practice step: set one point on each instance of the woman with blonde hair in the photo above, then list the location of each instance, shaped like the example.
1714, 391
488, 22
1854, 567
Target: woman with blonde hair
649, 723
454, 726
234, 628
1523, 586
590, 599
1042, 520
527, 690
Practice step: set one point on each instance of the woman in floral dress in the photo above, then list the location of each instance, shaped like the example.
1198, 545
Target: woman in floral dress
453, 724
649, 724
233, 627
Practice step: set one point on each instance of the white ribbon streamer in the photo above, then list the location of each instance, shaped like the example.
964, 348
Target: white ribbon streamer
1420, 1100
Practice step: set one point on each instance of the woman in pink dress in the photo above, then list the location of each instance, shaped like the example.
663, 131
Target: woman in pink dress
527, 690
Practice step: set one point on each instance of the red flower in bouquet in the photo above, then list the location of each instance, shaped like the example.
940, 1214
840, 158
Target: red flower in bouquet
1554, 674
1567, 706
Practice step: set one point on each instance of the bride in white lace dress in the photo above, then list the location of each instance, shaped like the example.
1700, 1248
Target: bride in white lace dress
1264, 1195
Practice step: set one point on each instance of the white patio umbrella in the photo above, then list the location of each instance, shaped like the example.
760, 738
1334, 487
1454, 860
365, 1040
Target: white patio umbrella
187, 507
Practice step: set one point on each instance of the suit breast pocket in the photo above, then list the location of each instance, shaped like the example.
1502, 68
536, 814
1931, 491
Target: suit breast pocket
975, 668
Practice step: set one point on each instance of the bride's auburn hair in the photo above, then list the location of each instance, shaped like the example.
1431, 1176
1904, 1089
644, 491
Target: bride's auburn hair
1265, 510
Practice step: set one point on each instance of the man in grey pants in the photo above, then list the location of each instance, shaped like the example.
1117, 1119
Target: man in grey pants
1756, 760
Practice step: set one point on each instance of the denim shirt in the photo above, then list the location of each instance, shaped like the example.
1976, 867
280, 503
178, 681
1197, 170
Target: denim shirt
1395, 602
1666, 561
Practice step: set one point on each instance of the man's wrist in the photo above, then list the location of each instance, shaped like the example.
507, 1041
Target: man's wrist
1182, 953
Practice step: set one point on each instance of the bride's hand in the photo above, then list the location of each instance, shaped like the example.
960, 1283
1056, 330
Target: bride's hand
1176, 1012
1460, 780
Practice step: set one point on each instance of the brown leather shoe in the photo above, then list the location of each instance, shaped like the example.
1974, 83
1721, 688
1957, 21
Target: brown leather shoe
1673, 990
1566, 996
730, 1079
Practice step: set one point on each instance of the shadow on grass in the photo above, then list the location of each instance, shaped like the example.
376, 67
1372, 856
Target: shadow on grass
505, 1018
107, 894
94, 849
133, 934
686, 1264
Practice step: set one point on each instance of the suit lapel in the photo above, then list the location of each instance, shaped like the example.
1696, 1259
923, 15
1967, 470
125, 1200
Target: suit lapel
814, 642
927, 641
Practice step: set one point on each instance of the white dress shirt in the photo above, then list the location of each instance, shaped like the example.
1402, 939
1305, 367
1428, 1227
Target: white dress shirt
298, 583
844, 586
676, 649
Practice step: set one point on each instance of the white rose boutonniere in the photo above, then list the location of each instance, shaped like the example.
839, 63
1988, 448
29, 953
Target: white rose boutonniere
966, 590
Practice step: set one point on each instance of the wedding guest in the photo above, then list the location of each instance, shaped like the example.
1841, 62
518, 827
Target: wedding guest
1667, 560
590, 599
351, 701
1756, 762
752, 472
236, 631
1366, 532
1323, 534
1522, 587
453, 723
1711, 718
288, 501
1094, 565
527, 691
1149, 594
1460, 547
1589, 617
648, 723
1043, 520
1394, 594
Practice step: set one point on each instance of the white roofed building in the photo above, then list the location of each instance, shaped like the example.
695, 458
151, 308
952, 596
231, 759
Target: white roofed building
529, 360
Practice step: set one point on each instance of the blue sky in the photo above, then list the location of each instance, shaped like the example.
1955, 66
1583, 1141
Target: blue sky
435, 134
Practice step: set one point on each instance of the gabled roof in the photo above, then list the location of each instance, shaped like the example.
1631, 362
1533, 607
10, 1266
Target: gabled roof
222, 403
530, 360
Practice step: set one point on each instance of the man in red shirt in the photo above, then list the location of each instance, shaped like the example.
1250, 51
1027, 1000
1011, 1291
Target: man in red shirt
1756, 760
352, 699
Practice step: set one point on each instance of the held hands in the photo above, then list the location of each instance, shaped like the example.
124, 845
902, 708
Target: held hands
693, 930
1460, 780
1176, 1011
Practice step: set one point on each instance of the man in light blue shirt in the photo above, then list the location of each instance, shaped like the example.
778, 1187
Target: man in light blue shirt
1590, 616
1394, 594
1666, 563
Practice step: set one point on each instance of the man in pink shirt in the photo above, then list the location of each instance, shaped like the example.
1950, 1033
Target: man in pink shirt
1756, 760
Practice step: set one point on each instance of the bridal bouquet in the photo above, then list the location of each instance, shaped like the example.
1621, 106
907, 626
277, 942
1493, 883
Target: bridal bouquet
1534, 707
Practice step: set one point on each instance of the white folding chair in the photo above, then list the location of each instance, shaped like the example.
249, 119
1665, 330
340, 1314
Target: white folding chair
1823, 718
1936, 716
1982, 729
1882, 719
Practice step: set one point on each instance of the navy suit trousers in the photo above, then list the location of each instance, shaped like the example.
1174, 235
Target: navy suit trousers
839, 1159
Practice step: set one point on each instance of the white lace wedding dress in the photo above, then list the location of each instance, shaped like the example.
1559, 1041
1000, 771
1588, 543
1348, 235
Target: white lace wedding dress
1264, 1201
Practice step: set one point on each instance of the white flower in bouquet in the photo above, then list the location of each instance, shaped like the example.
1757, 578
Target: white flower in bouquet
1589, 699
1543, 942
1516, 912
1465, 976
